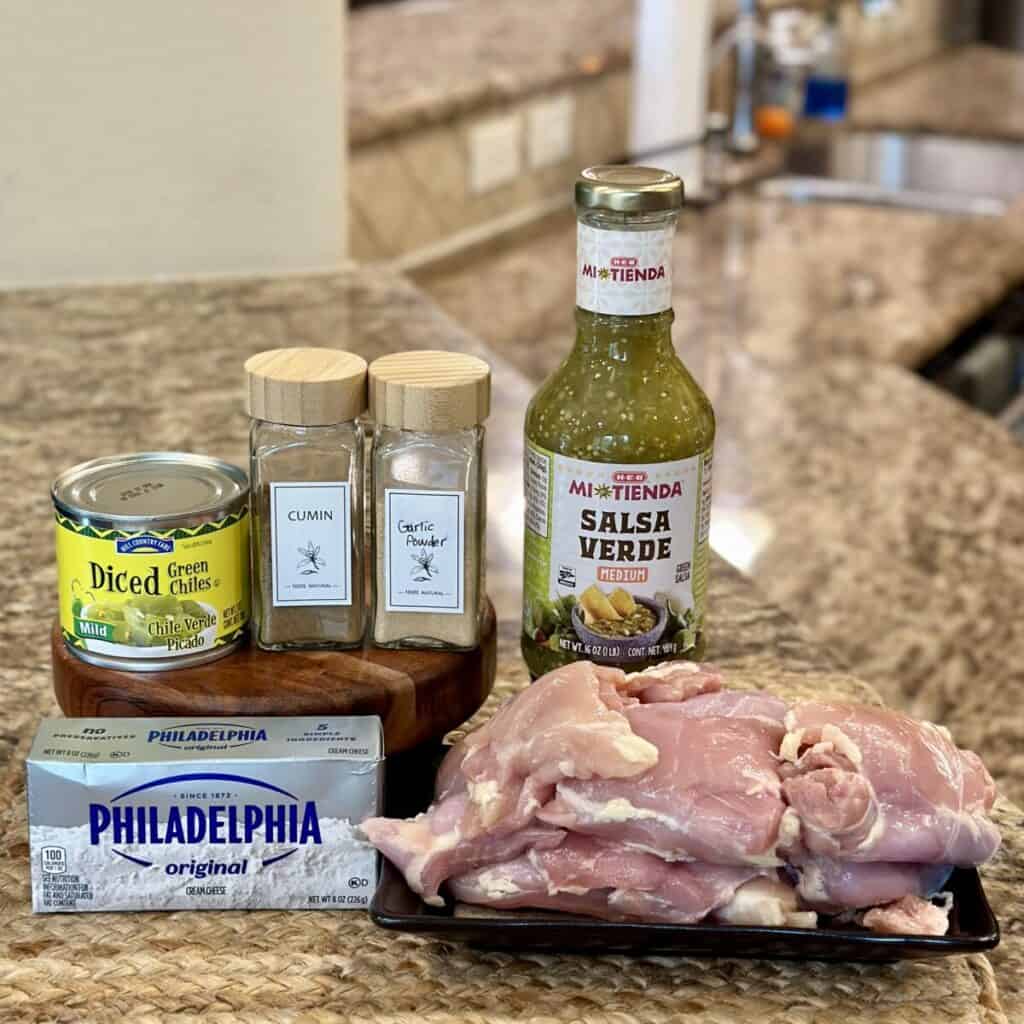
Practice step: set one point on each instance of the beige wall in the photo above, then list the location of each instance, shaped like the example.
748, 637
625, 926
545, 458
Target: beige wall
146, 138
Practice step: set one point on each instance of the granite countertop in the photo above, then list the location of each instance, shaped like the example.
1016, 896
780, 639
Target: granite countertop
145, 367
482, 54
889, 516
790, 282
795, 320
908, 559
973, 90
423, 63
426, 61
99, 370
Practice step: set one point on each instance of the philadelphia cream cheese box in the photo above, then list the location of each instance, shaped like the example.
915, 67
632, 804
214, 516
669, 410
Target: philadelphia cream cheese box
172, 814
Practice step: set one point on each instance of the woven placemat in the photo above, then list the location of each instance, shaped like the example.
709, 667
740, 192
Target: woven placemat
326, 966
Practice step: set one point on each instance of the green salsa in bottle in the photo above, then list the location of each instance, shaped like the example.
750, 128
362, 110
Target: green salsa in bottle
618, 450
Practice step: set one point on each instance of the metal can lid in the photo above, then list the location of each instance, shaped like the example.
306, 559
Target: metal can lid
150, 489
626, 188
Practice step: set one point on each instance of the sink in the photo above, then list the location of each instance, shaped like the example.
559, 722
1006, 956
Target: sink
941, 173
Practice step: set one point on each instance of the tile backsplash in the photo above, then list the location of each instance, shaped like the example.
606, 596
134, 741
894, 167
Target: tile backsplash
421, 190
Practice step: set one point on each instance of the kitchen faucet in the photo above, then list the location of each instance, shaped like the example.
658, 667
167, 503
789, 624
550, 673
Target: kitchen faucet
743, 37
742, 137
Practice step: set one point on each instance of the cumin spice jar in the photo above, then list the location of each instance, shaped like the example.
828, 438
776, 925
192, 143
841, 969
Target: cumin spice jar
306, 473
429, 498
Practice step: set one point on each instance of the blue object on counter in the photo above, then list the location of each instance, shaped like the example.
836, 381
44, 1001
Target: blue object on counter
825, 98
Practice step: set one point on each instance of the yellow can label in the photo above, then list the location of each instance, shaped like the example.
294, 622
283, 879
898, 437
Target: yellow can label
153, 593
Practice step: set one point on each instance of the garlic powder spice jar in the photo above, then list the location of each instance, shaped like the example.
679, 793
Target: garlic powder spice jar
429, 498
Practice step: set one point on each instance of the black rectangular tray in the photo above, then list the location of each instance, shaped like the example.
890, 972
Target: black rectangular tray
972, 925
972, 929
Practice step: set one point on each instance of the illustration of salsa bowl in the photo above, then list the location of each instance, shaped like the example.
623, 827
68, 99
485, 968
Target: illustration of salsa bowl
614, 648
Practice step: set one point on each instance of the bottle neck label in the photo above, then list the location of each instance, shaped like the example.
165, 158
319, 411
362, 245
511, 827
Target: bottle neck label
624, 273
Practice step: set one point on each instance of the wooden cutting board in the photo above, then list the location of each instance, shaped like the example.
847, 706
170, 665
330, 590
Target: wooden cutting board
419, 695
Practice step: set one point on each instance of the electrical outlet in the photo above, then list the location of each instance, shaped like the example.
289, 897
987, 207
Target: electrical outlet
549, 130
495, 151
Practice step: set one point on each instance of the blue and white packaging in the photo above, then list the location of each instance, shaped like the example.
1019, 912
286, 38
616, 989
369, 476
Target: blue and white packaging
181, 814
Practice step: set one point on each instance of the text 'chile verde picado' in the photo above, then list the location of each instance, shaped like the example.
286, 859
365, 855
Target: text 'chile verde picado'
618, 450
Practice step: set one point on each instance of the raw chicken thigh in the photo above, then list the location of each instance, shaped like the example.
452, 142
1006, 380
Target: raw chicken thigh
714, 794
491, 785
660, 796
831, 886
586, 876
871, 785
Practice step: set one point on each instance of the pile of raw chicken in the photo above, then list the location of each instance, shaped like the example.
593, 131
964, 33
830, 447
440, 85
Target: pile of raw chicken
661, 796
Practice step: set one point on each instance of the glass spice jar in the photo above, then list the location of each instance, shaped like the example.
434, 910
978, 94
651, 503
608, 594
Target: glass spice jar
429, 498
306, 474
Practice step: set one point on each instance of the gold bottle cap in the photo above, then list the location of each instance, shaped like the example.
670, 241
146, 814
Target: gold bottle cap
305, 386
625, 188
431, 391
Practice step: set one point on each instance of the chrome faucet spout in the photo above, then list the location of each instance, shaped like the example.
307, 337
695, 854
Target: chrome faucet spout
742, 137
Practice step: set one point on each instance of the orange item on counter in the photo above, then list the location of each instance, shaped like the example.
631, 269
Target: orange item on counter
774, 122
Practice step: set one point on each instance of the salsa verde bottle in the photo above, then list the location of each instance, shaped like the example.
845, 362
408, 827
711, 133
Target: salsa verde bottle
618, 450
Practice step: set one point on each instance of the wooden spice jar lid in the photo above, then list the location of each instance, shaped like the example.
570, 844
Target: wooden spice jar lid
305, 386
430, 390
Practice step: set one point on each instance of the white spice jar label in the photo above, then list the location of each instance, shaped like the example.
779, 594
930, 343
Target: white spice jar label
424, 551
311, 534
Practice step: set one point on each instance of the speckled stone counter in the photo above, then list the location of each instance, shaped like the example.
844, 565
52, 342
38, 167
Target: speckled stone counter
974, 90
768, 294
893, 518
421, 64
104, 370
93, 371
888, 516
911, 505
790, 283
